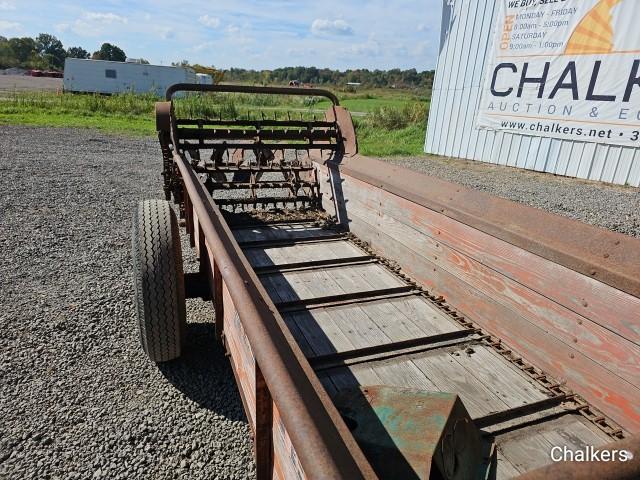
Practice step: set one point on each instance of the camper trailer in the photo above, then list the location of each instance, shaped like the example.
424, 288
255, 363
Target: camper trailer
204, 79
100, 76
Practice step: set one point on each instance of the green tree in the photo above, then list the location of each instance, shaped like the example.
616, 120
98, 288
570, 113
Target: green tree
110, 52
7, 58
22, 49
77, 52
51, 49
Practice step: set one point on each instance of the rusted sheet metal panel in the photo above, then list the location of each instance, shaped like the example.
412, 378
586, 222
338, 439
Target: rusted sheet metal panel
410, 433
616, 469
607, 256
430, 249
323, 443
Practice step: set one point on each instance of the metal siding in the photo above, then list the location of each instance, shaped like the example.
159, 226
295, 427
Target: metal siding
467, 32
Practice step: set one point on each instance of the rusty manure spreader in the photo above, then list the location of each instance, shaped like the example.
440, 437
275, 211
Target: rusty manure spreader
381, 323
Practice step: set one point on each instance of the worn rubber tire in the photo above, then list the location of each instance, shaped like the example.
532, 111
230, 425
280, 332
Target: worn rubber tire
158, 280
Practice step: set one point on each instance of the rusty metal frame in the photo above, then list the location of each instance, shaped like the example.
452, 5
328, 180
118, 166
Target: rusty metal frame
300, 92
323, 443
332, 360
314, 264
321, 440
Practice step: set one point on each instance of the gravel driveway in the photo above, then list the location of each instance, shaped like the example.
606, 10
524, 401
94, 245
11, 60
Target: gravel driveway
79, 399
614, 207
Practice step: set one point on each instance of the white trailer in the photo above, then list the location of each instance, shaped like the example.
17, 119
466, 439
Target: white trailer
100, 76
204, 79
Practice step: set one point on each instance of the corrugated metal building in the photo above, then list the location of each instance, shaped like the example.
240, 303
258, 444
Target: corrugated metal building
465, 42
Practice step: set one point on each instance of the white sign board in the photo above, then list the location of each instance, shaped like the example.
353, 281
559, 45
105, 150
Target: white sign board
566, 69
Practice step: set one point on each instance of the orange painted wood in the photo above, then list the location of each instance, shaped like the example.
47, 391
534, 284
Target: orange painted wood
612, 351
614, 396
241, 357
285, 460
611, 257
606, 306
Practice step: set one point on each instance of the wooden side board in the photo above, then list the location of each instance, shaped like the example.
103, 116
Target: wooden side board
610, 257
573, 326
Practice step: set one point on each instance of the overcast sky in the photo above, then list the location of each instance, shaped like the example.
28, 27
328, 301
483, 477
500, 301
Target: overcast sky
255, 34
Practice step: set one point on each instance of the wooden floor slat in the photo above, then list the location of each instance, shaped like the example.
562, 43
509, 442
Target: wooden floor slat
279, 232
288, 286
485, 381
530, 447
261, 257
331, 325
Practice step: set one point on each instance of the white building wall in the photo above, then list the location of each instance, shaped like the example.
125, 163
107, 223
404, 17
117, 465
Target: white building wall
467, 30
90, 76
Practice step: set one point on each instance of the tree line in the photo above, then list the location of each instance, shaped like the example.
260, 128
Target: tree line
394, 78
46, 52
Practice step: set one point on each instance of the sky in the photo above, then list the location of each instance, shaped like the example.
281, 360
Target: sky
258, 34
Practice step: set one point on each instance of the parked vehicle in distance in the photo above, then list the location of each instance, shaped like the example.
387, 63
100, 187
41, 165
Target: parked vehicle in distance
102, 76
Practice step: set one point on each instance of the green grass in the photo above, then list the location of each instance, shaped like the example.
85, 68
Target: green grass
377, 142
366, 105
120, 124
394, 124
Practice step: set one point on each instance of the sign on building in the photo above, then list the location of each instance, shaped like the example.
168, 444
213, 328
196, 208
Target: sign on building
566, 69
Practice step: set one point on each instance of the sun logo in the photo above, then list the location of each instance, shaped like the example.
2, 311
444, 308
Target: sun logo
594, 33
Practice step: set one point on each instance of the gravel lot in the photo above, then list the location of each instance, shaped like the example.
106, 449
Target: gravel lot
79, 399
612, 207
14, 83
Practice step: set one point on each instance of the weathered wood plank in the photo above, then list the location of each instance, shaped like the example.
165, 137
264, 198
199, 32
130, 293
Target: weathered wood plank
298, 334
607, 348
324, 282
358, 327
508, 382
259, 257
320, 331
597, 301
403, 374
427, 318
504, 468
530, 447
527, 452
344, 378
279, 232
449, 376
574, 432
610, 393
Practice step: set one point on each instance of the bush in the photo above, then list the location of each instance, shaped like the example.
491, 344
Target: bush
393, 118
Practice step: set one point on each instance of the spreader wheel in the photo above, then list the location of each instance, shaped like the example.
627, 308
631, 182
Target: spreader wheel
158, 280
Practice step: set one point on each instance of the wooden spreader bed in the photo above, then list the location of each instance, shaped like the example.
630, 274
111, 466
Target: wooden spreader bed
381, 323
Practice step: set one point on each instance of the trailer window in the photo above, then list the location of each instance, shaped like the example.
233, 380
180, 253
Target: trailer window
110, 73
